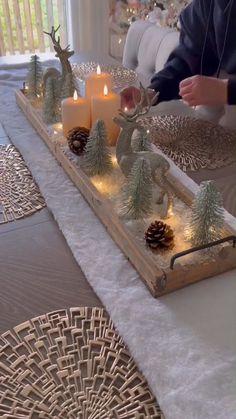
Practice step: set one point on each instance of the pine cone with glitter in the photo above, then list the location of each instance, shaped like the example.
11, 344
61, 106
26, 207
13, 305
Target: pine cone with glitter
159, 236
77, 139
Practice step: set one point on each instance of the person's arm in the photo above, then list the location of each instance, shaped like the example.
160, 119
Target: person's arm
232, 92
185, 60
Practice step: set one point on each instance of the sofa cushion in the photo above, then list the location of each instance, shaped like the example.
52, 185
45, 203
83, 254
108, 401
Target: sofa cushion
147, 48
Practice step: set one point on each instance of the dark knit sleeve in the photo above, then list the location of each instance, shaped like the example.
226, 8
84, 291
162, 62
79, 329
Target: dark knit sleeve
232, 92
185, 60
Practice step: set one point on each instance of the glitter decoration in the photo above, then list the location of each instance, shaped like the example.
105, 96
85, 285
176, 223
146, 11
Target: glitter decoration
19, 194
122, 77
192, 143
71, 364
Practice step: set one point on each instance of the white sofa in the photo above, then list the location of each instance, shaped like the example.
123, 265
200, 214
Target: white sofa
146, 50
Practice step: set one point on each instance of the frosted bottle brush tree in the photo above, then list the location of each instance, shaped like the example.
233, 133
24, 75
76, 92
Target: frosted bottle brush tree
97, 157
207, 215
141, 141
137, 194
34, 77
51, 106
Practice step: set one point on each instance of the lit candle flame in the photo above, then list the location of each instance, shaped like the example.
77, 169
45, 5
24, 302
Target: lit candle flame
75, 95
105, 91
98, 69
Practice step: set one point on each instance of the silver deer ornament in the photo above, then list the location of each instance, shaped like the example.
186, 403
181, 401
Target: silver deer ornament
125, 155
63, 54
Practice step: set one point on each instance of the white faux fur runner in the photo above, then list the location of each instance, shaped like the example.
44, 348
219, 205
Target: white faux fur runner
185, 342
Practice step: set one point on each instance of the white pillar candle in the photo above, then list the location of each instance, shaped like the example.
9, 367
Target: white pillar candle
95, 82
75, 112
105, 107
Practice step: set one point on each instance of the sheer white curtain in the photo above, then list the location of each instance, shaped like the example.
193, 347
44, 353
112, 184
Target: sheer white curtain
88, 25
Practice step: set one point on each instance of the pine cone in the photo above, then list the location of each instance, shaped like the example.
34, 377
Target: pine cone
159, 236
77, 139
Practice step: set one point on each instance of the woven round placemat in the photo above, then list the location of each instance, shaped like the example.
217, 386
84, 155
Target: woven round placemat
71, 364
121, 76
19, 194
192, 143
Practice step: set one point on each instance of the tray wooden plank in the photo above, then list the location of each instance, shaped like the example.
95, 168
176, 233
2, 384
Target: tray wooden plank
159, 281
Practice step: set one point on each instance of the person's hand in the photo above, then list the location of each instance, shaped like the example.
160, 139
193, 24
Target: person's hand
203, 90
130, 97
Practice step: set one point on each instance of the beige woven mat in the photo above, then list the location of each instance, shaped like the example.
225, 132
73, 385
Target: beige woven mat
19, 194
71, 364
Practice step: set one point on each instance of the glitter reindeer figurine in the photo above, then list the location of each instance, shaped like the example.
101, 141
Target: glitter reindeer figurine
125, 155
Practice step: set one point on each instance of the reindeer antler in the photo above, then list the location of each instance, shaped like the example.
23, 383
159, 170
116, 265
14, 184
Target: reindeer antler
62, 54
141, 107
52, 34
56, 43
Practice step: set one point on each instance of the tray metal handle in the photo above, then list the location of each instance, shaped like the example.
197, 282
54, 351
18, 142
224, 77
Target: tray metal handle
204, 246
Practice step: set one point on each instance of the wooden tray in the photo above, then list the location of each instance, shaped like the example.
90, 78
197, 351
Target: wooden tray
159, 281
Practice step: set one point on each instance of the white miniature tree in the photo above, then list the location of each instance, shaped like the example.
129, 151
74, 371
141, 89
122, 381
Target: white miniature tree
97, 157
51, 106
137, 193
34, 77
207, 215
141, 141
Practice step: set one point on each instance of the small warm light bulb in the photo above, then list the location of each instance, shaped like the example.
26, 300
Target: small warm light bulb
187, 233
148, 131
105, 91
120, 40
125, 109
75, 95
98, 69
114, 160
170, 211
